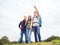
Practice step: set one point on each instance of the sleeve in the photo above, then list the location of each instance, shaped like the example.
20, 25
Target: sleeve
20, 24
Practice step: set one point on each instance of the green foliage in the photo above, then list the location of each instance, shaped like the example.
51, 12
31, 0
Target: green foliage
5, 40
1, 43
52, 38
14, 42
57, 42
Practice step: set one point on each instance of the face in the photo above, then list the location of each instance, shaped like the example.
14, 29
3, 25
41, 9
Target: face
35, 13
29, 17
25, 17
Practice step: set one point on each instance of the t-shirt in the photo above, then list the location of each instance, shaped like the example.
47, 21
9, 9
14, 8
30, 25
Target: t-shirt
35, 21
28, 24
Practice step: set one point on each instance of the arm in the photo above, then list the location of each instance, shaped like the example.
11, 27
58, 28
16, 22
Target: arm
36, 10
26, 23
20, 24
31, 26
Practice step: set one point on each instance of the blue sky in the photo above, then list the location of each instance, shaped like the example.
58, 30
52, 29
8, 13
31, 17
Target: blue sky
12, 12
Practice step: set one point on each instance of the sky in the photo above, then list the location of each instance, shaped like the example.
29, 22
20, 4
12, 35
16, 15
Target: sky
12, 12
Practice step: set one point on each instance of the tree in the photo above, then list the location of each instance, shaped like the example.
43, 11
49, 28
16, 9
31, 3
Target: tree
1, 43
5, 39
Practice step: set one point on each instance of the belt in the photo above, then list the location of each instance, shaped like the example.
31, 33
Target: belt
34, 22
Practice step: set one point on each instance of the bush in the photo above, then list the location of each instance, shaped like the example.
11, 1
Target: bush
1, 43
57, 42
5, 40
52, 38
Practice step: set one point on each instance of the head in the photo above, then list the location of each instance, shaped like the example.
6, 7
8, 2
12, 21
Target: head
25, 17
29, 17
35, 13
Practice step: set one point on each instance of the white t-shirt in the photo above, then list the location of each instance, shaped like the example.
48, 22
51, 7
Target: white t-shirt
35, 21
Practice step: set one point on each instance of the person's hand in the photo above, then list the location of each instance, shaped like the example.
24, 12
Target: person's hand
30, 27
34, 6
40, 25
36, 10
20, 27
32, 30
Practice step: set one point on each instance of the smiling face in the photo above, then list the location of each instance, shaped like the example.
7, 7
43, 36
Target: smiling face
25, 17
29, 17
35, 13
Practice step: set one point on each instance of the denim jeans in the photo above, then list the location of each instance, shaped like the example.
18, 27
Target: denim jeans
21, 36
37, 33
28, 32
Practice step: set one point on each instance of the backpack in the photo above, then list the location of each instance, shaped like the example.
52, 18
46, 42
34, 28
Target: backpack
40, 22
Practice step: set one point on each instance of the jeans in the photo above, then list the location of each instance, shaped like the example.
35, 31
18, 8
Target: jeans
37, 33
28, 32
21, 36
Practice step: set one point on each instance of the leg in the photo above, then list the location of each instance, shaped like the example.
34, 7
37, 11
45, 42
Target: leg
35, 34
26, 36
39, 37
21, 36
30, 35
38, 31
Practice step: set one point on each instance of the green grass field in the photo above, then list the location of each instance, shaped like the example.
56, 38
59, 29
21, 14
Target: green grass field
39, 43
54, 42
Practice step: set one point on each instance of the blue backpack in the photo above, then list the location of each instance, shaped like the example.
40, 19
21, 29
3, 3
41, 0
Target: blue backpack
40, 22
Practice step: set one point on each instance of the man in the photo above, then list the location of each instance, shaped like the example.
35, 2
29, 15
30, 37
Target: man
36, 23
22, 26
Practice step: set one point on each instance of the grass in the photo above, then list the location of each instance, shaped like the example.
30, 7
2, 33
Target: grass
54, 42
39, 43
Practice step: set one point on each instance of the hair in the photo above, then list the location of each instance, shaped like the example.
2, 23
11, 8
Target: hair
36, 12
30, 17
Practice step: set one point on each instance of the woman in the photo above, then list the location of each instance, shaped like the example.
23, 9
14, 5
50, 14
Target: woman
28, 28
36, 23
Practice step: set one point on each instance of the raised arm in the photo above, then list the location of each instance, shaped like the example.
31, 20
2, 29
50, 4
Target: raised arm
36, 10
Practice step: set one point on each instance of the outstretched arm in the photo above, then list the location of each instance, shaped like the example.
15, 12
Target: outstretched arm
36, 10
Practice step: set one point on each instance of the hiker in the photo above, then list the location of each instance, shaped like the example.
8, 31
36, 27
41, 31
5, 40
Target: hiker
29, 28
36, 23
22, 26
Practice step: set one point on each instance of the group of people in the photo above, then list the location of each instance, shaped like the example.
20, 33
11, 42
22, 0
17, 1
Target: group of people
27, 25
